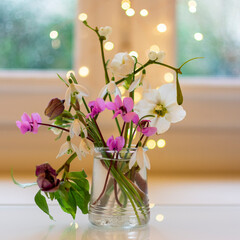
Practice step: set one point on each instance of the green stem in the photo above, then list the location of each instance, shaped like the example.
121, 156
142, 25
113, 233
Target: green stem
70, 159
103, 60
85, 104
116, 120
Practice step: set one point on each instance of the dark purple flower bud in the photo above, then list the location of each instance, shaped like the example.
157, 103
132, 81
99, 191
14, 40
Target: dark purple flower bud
46, 178
55, 108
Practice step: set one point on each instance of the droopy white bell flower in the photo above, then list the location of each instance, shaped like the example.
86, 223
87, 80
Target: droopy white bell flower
111, 88
122, 64
105, 31
163, 105
156, 56
86, 147
76, 128
76, 90
69, 147
141, 158
138, 82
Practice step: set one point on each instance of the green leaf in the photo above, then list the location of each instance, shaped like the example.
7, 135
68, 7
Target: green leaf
179, 92
73, 78
77, 175
80, 179
22, 185
52, 195
62, 79
82, 197
59, 136
40, 200
69, 206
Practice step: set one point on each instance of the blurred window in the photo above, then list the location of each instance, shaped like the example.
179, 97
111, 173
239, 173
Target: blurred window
37, 34
209, 29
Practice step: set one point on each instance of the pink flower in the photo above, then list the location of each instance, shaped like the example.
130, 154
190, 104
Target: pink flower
144, 128
115, 144
123, 108
96, 107
29, 124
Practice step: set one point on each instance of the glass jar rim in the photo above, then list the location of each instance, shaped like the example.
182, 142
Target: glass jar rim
99, 150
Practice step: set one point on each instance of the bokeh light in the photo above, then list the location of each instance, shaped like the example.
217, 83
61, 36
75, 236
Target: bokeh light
130, 12
198, 36
168, 77
109, 46
53, 34
161, 143
83, 71
151, 144
162, 27
144, 12
82, 16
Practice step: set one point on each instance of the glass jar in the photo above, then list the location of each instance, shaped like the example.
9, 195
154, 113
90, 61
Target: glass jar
119, 195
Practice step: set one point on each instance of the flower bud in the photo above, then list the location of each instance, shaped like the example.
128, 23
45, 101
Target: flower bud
105, 31
160, 56
55, 108
46, 178
152, 55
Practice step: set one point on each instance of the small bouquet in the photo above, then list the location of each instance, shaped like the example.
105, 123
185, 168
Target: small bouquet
121, 161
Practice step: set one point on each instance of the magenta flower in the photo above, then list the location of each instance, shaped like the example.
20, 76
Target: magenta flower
96, 107
144, 128
46, 178
29, 124
115, 144
123, 108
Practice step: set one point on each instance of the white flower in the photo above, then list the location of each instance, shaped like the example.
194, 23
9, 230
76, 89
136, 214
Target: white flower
111, 88
141, 158
156, 56
76, 90
163, 105
105, 31
86, 147
122, 64
76, 128
69, 147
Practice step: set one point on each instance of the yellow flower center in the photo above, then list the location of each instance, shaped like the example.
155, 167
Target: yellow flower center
160, 110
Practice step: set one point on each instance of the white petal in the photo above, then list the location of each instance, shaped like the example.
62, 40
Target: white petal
143, 107
63, 149
160, 123
140, 157
132, 160
167, 94
146, 160
82, 90
117, 92
111, 87
103, 92
68, 97
151, 96
78, 152
134, 85
175, 113
76, 127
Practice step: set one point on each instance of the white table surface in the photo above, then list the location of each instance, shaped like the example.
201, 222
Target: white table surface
176, 222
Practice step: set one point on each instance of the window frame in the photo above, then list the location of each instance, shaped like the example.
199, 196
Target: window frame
218, 94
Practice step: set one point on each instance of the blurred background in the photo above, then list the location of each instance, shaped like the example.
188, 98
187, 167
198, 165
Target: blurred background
41, 38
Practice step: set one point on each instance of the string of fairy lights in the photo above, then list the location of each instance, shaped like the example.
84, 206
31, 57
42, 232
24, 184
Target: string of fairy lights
84, 71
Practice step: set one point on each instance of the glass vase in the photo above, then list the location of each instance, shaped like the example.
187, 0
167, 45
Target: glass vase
119, 195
